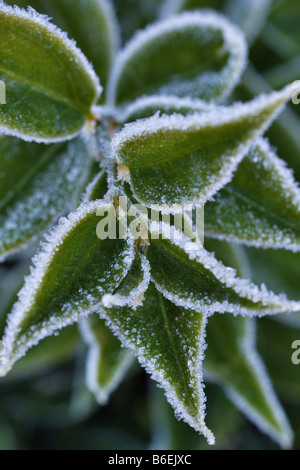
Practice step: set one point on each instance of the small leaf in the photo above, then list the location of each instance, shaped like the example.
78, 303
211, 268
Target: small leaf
97, 188
249, 15
261, 205
275, 343
196, 280
50, 94
168, 342
209, 146
232, 361
92, 24
280, 271
71, 274
107, 361
199, 55
150, 105
38, 183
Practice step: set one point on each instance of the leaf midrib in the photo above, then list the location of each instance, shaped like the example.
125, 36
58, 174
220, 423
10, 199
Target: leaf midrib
40, 89
42, 161
173, 346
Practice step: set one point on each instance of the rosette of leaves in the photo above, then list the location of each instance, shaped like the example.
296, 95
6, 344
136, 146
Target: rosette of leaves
161, 131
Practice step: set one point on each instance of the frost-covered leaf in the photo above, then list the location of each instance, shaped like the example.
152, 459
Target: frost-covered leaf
71, 274
199, 55
38, 183
51, 93
280, 271
107, 361
232, 361
150, 105
168, 342
169, 433
275, 344
261, 205
249, 15
97, 188
196, 280
208, 146
91, 23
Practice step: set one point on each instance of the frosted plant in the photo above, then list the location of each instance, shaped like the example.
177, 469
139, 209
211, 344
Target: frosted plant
160, 129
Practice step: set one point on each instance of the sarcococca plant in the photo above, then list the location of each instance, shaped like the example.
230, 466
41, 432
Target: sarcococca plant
156, 122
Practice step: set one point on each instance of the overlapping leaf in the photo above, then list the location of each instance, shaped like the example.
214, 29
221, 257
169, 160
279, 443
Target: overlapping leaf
168, 342
149, 106
107, 361
261, 205
71, 274
50, 94
232, 360
196, 280
176, 159
197, 55
38, 183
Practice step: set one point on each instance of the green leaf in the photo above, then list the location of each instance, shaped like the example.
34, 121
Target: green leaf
51, 93
150, 105
249, 15
232, 361
168, 342
38, 183
275, 343
92, 24
171, 434
196, 280
71, 274
279, 270
97, 188
209, 146
199, 55
171, 7
107, 361
260, 207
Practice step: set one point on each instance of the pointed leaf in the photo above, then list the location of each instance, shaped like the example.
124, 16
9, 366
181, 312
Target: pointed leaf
199, 55
275, 342
280, 271
107, 361
38, 183
261, 205
92, 24
97, 188
209, 146
232, 361
196, 280
50, 94
71, 274
168, 342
